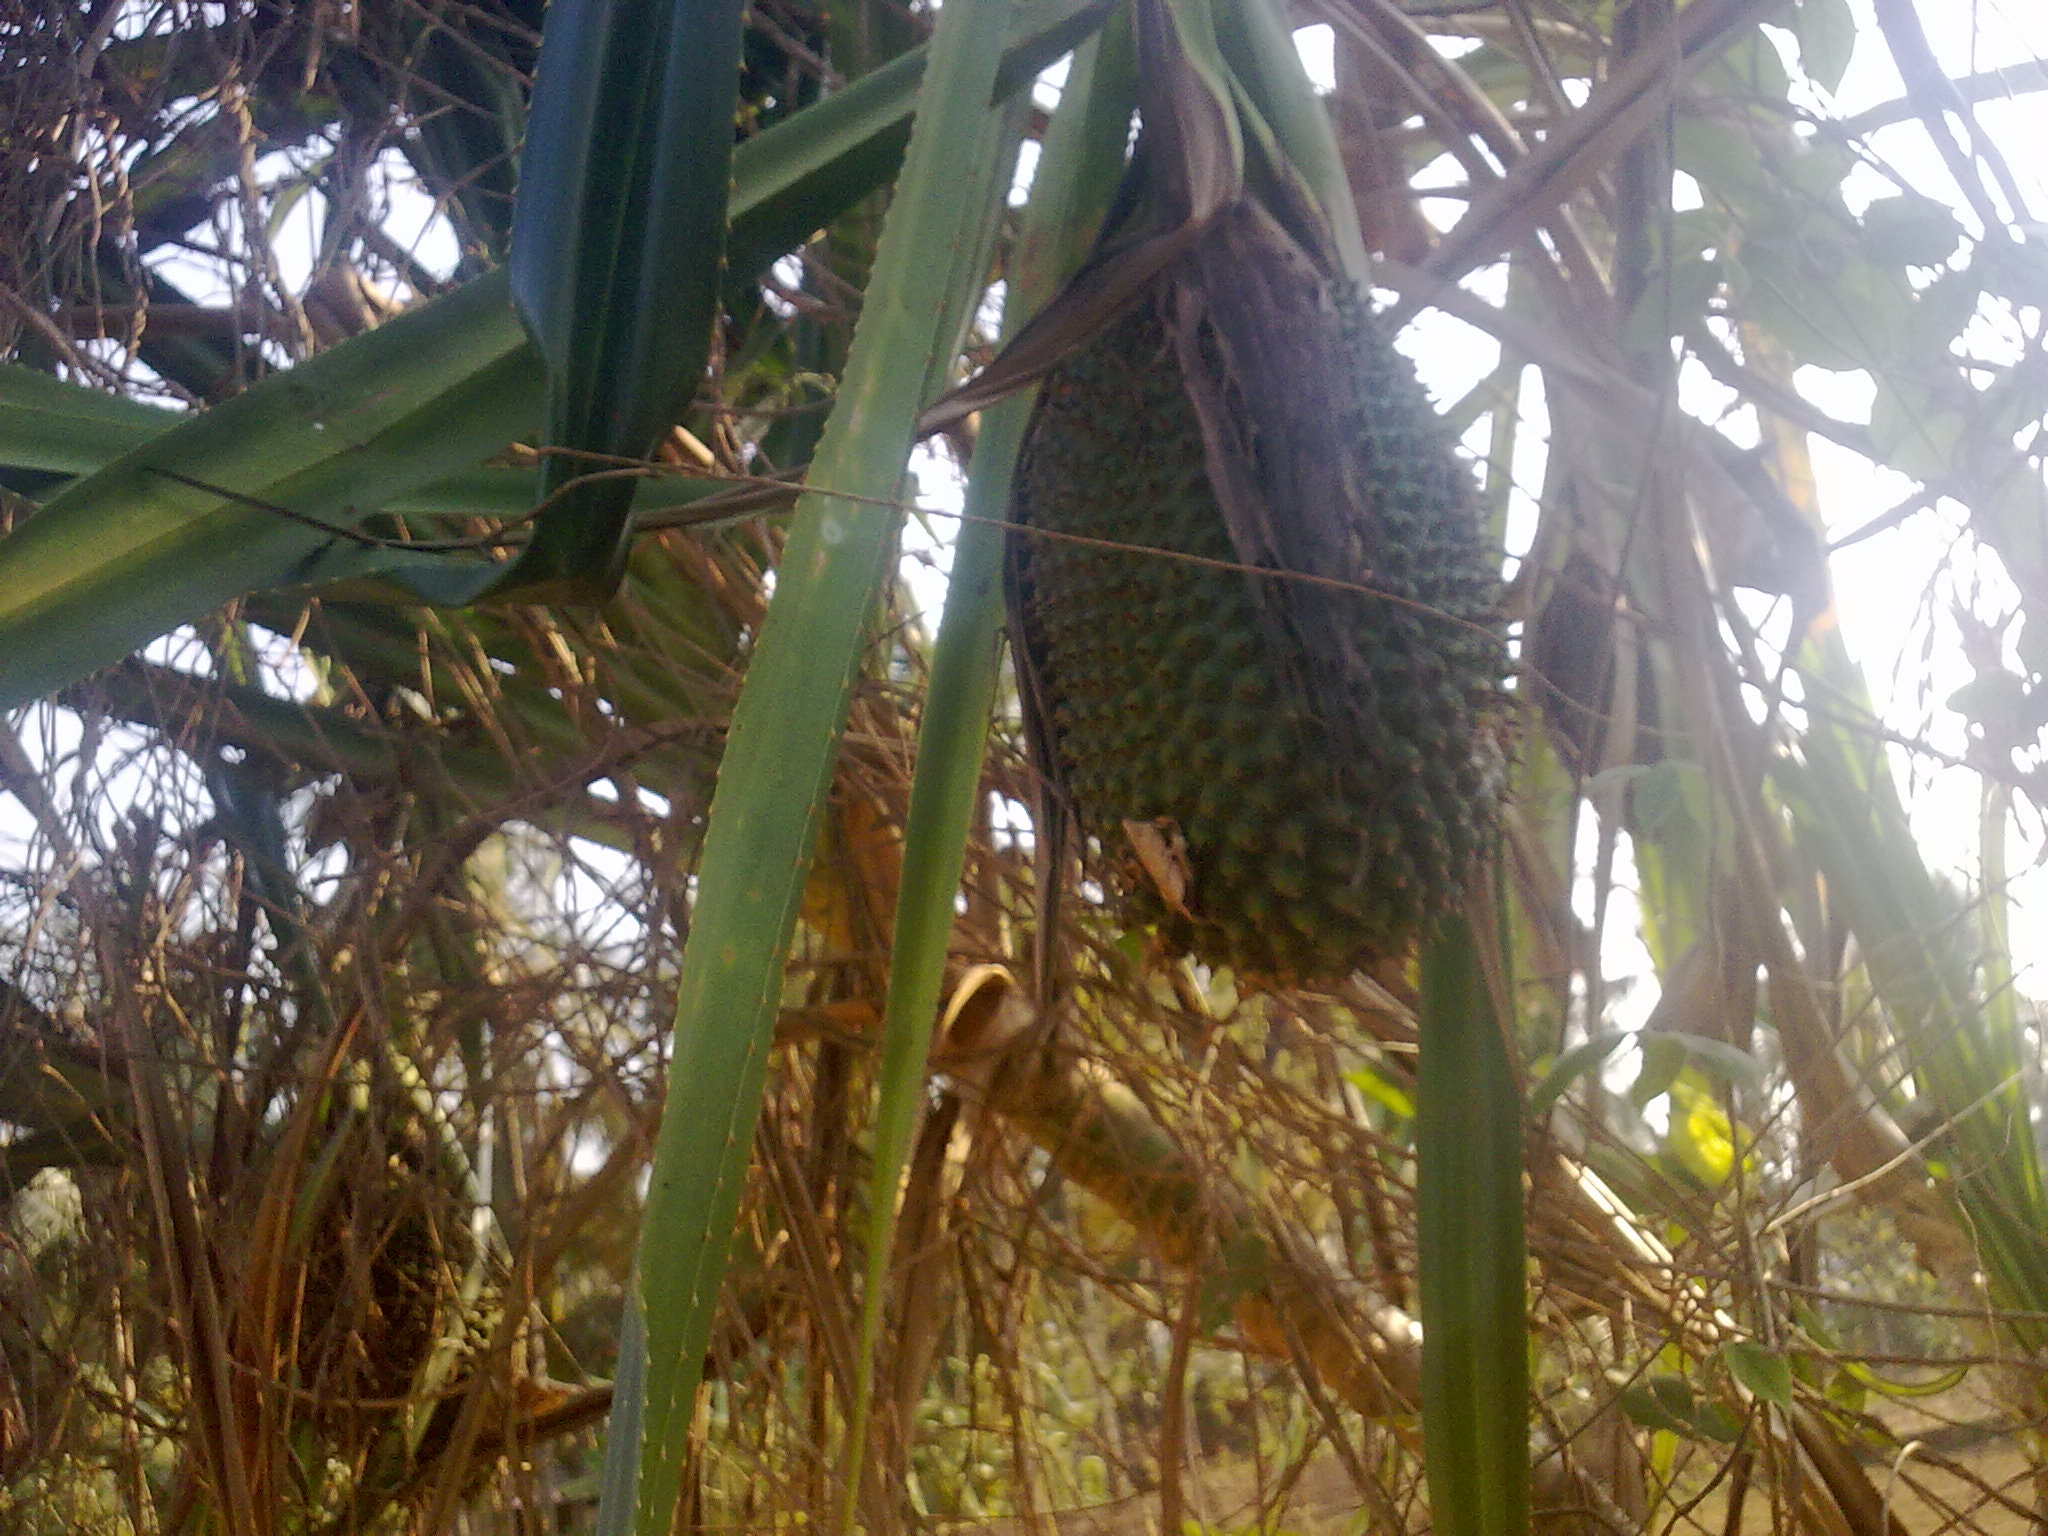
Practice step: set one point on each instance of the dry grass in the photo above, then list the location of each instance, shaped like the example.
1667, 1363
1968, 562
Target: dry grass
331, 1040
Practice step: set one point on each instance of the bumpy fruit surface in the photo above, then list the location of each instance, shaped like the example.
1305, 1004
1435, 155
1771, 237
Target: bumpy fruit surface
1285, 777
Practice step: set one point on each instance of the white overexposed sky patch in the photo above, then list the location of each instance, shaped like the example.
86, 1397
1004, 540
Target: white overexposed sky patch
1896, 591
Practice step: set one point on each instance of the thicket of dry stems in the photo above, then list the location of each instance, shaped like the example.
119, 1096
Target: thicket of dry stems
332, 1060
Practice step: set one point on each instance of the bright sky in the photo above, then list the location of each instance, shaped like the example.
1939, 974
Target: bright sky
1895, 592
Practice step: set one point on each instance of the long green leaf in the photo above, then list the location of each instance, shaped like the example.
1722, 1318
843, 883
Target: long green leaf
1965, 1065
855, 137
46, 424
129, 552
780, 751
1255, 39
1083, 157
617, 247
1471, 1252
118, 558
787, 183
49, 426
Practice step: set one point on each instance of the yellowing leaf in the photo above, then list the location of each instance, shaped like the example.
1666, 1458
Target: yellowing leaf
1700, 1136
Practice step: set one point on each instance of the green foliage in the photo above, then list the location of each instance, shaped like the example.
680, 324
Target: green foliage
1471, 1253
764, 820
618, 248
1030, 1259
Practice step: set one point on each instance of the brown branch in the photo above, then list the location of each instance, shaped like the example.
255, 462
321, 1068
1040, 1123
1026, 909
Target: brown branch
1581, 148
1101, 1137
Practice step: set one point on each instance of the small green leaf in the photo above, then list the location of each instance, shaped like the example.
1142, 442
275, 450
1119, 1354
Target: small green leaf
1714, 1422
1826, 30
1585, 1057
290, 194
617, 247
1664, 1400
1673, 1392
1663, 1060
1382, 1092
1726, 1061
1765, 1372
1646, 1407
1909, 231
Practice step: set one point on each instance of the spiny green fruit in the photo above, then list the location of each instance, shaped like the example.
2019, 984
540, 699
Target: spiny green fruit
1290, 777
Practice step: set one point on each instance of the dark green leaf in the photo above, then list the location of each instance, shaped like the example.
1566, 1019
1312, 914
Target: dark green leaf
1645, 1407
1080, 167
1472, 1252
50, 425
1587, 1056
1666, 1401
1765, 1372
118, 559
617, 248
768, 805
1663, 1060
128, 553
1714, 1422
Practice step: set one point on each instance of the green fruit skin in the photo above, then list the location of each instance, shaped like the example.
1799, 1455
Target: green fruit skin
1321, 833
